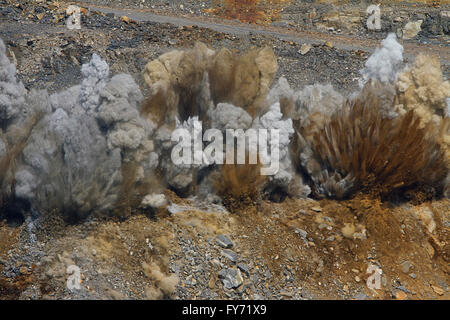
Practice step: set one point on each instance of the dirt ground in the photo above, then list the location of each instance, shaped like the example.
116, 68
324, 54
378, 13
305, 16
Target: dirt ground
298, 249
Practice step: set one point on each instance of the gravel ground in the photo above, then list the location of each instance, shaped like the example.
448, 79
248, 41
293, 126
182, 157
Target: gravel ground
318, 15
48, 55
45, 52
193, 7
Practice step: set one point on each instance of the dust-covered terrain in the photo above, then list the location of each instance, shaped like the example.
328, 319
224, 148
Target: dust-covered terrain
92, 207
